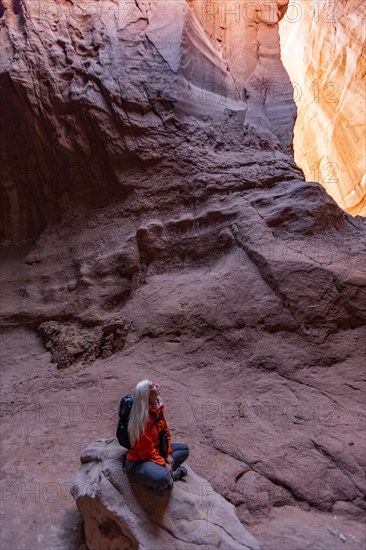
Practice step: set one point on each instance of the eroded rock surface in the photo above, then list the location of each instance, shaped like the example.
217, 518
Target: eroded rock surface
247, 35
138, 79
249, 306
121, 514
69, 342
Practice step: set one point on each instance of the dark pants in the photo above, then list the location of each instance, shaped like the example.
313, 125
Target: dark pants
154, 475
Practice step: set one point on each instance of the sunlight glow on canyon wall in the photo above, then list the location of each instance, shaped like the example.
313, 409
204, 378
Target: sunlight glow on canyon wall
323, 50
247, 35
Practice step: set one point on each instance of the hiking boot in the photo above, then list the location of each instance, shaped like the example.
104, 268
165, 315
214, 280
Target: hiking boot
179, 472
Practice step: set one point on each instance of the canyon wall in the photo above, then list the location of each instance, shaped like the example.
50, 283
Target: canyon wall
324, 50
175, 238
247, 35
73, 71
84, 93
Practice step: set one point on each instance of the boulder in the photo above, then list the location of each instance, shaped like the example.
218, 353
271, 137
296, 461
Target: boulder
121, 514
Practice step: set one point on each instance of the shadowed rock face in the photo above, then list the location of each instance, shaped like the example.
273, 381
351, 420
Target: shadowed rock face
323, 48
93, 99
190, 248
121, 514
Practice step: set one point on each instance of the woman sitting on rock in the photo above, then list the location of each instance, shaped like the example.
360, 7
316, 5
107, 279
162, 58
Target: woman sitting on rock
147, 461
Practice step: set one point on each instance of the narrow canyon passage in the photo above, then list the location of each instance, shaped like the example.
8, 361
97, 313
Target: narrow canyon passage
155, 223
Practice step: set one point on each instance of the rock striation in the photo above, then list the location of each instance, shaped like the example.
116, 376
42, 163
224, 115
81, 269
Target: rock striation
323, 48
121, 514
247, 35
73, 78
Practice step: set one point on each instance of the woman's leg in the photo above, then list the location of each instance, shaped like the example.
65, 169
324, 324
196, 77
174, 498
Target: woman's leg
180, 453
149, 473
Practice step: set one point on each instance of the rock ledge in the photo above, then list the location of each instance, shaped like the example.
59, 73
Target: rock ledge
119, 514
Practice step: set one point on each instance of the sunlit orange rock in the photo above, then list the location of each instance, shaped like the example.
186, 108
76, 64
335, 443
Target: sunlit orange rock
323, 48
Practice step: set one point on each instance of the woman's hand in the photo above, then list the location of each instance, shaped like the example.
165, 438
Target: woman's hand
169, 463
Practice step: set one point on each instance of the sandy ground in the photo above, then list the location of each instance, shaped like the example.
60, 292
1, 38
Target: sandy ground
49, 416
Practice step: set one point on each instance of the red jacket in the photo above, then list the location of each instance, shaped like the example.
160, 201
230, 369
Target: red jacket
147, 447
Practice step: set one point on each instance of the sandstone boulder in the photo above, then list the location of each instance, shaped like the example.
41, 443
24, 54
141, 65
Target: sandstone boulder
120, 514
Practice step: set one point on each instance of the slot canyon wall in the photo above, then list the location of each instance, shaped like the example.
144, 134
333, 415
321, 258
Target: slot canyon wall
246, 34
323, 48
155, 226
68, 66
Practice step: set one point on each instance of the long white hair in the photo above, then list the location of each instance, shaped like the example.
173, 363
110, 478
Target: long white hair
139, 411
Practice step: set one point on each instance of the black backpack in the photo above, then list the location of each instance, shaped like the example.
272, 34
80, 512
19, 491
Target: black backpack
125, 407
